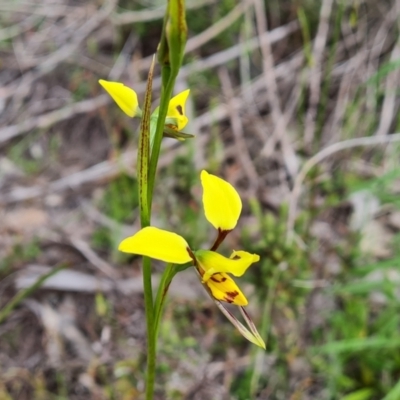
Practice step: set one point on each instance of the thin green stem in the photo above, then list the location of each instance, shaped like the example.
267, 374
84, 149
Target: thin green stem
151, 342
169, 273
145, 215
147, 191
170, 57
166, 93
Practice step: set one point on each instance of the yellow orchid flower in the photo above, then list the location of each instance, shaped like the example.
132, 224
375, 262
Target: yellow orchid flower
213, 267
176, 109
222, 207
127, 100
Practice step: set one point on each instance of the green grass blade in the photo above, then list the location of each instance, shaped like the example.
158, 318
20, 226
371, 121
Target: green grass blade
394, 394
358, 344
23, 294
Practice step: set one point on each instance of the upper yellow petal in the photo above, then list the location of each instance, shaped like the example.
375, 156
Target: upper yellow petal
222, 204
224, 288
124, 96
176, 109
212, 263
159, 244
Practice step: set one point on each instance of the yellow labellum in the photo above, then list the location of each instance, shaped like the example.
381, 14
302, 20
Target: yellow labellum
212, 263
159, 244
222, 204
176, 109
125, 97
224, 288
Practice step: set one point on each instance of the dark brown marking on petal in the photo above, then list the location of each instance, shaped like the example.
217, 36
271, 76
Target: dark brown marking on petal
215, 279
228, 300
179, 108
230, 296
223, 279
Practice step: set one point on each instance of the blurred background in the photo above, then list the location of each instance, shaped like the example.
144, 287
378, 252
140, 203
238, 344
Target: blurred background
295, 102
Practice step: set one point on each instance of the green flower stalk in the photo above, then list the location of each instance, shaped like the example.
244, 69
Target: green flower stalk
222, 203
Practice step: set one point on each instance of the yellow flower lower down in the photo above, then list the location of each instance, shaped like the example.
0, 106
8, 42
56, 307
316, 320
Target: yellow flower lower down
222, 207
213, 267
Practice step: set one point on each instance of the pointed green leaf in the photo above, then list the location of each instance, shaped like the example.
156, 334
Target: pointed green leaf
144, 153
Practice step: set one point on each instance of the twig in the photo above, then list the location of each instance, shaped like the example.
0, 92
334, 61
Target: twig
61, 54
49, 119
116, 227
334, 127
237, 128
79, 36
123, 57
92, 257
389, 103
217, 28
131, 17
316, 71
268, 62
32, 9
377, 49
233, 52
18, 28
278, 118
324, 153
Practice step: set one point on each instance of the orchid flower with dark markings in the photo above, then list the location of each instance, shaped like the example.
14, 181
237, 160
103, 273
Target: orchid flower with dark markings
222, 208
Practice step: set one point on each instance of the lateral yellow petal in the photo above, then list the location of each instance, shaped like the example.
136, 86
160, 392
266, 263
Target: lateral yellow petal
222, 204
212, 263
159, 244
176, 109
224, 288
125, 97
